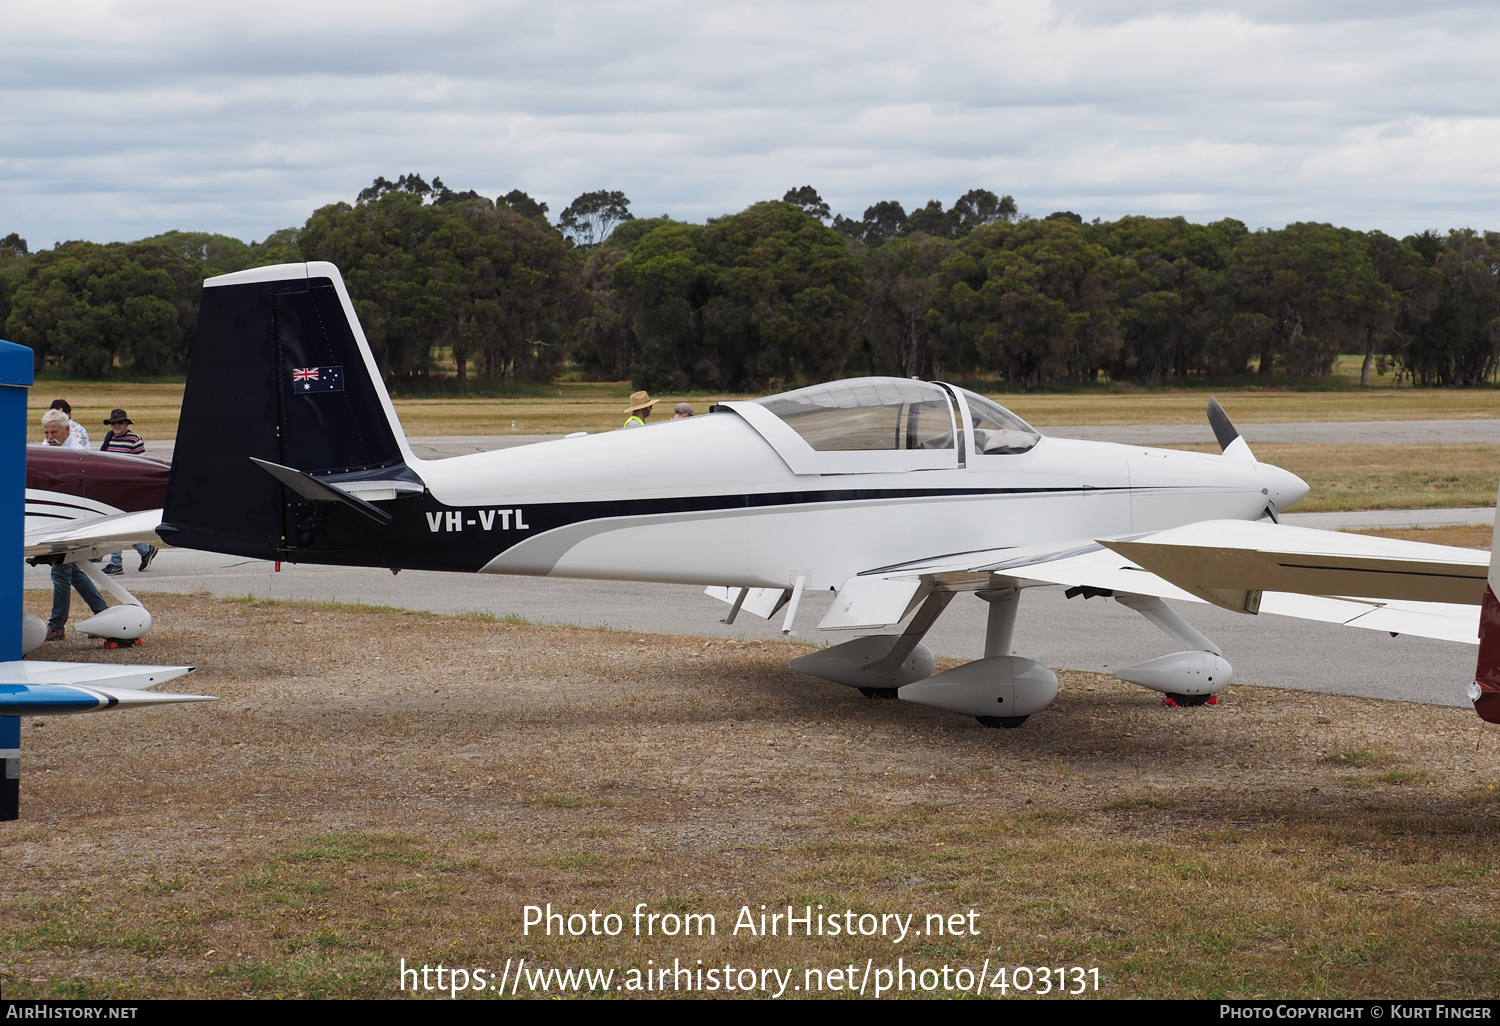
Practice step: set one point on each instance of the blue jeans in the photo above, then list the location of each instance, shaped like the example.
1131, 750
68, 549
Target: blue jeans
66, 577
141, 548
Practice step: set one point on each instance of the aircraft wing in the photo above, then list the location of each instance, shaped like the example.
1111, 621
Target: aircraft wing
95, 536
1383, 584
40, 688
1217, 559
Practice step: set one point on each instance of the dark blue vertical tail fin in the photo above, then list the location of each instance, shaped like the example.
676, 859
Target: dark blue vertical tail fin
281, 373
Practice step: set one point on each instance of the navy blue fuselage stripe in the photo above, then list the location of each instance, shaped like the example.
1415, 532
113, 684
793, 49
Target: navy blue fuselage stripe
419, 535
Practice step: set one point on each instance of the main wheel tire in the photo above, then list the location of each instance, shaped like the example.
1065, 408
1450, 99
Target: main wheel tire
880, 692
1189, 701
1008, 722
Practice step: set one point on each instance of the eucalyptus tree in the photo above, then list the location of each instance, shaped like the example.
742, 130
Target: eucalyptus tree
1308, 290
86, 308
589, 219
1412, 292
905, 287
808, 201
1034, 297
496, 287
757, 299
1459, 344
1168, 296
524, 205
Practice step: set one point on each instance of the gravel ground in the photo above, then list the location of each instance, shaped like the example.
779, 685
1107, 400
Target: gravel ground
380, 784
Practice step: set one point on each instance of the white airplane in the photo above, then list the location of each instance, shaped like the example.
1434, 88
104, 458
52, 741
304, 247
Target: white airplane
71, 517
75, 501
897, 494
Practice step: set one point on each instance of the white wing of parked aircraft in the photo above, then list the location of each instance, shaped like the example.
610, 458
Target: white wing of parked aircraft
34, 687
79, 540
896, 493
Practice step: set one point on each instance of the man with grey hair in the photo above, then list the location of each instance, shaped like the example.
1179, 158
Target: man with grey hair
57, 429
66, 576
80, 433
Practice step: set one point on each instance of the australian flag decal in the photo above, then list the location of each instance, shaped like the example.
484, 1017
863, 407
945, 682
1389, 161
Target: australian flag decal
317, 379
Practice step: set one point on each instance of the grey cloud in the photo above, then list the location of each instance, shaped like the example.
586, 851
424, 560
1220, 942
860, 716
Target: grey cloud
118, 131
1115, 12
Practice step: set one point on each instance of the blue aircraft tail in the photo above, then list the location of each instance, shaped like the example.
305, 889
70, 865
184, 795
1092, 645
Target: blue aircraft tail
285, 422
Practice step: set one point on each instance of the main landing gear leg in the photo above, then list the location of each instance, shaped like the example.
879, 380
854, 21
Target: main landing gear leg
999, 629
1189, 678
908, 641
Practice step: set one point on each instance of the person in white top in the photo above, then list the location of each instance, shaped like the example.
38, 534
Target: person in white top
79, 432
66, 576
56, 430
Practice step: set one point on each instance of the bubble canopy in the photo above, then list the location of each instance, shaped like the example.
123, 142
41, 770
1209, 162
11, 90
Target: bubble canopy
997, 431
865, 414
890, 414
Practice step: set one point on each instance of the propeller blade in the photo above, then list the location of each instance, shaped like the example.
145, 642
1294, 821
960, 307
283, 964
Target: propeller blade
1230, 441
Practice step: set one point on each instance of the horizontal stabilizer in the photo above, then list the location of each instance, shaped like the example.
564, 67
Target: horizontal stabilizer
311, 488
1093, 569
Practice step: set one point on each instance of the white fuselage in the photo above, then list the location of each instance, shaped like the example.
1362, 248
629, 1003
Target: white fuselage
644, 497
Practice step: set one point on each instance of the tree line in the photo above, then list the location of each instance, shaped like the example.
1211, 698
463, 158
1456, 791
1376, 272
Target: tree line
453, 287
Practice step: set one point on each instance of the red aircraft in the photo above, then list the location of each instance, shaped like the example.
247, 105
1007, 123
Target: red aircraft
67, 492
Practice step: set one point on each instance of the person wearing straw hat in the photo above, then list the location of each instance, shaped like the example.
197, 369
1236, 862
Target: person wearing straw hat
639, 409
122, 439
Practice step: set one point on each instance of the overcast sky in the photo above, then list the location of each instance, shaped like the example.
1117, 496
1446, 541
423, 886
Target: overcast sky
120, 120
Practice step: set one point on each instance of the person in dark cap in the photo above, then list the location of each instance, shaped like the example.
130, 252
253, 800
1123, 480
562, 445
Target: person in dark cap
122, 439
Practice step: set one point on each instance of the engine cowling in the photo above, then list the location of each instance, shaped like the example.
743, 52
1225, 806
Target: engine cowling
1000, 686
1181, 673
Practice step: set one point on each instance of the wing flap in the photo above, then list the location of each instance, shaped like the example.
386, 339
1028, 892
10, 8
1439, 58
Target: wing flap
866, 602
763, 602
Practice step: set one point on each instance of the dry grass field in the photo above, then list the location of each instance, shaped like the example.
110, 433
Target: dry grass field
1465, 536
375, 785
599, 407
1351, 477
